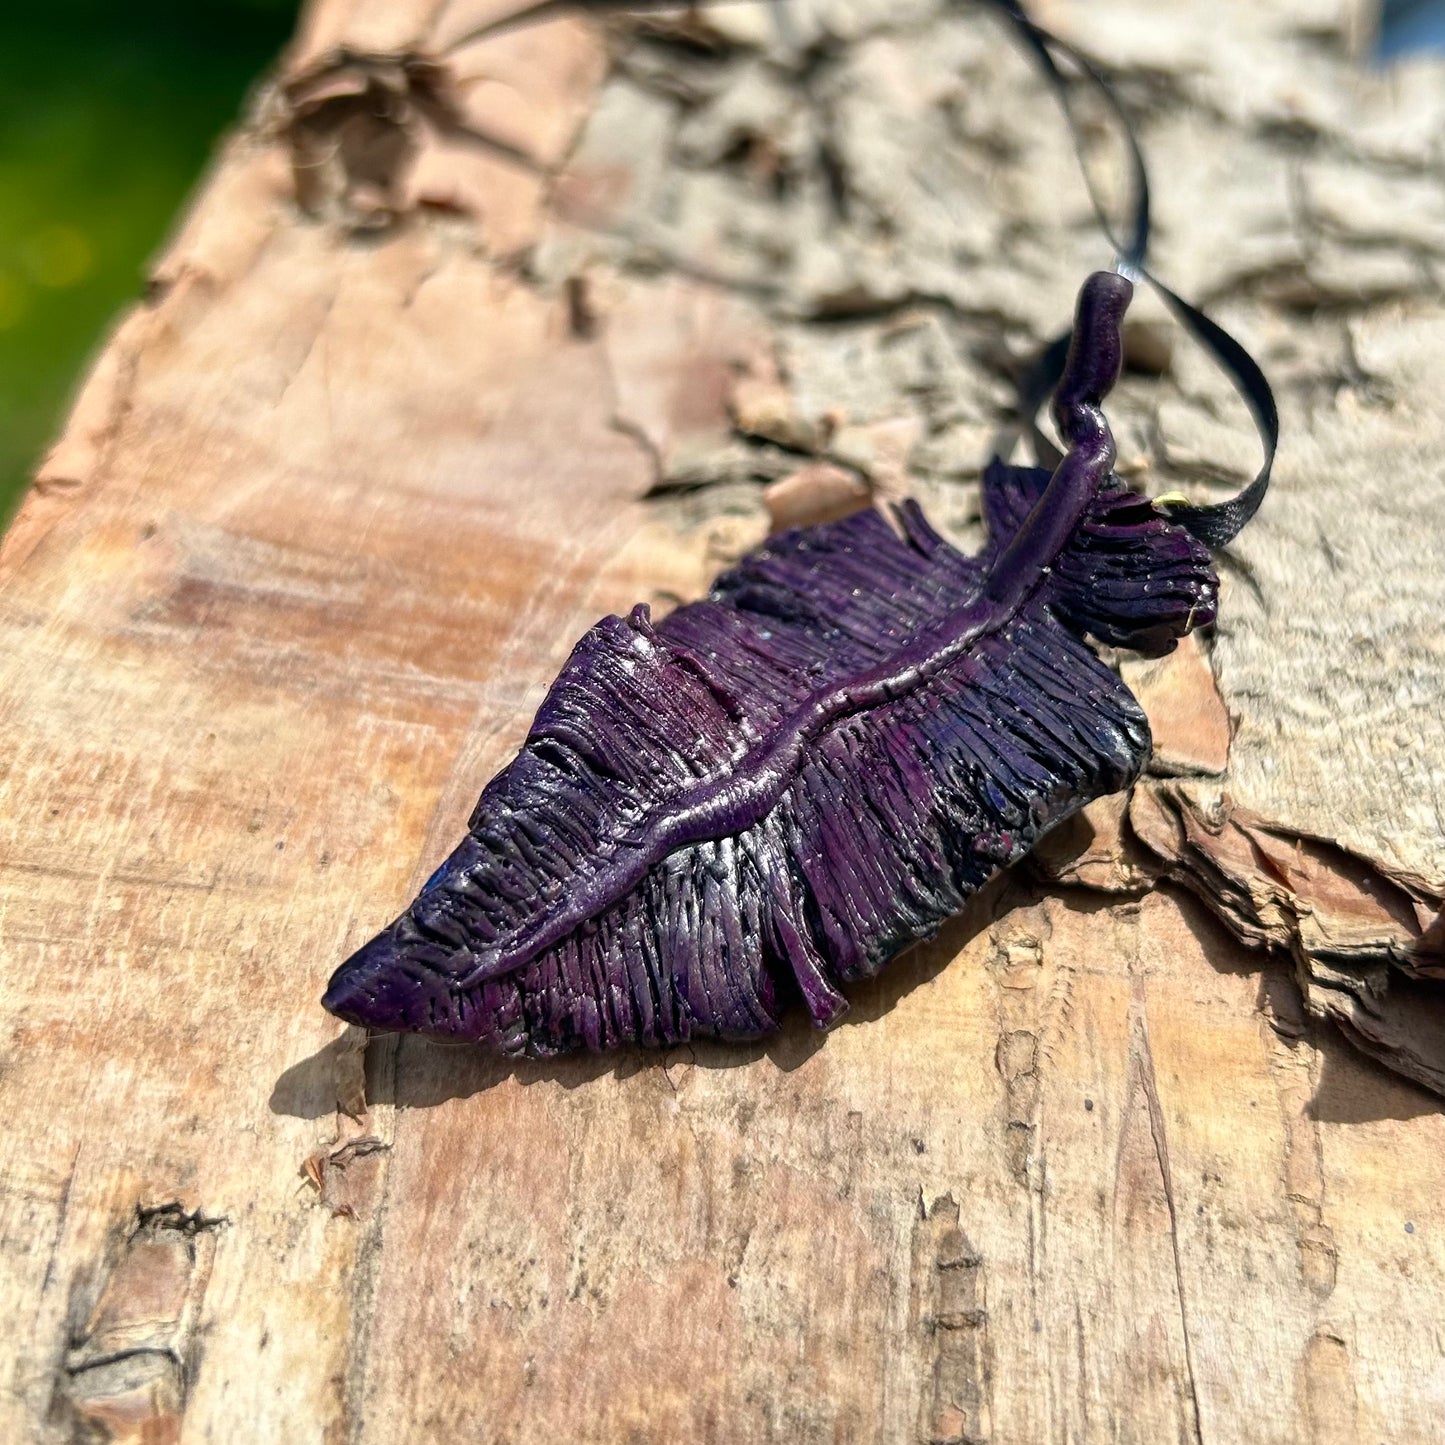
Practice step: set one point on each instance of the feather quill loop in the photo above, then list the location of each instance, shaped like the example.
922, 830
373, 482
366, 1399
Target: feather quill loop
774, 790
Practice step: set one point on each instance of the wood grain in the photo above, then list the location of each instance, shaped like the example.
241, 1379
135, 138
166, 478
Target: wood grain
420, 390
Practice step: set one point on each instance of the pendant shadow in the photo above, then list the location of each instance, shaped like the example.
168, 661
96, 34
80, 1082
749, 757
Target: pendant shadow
413, 1072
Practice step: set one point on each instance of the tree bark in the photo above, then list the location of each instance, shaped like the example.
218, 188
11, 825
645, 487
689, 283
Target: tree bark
467, 342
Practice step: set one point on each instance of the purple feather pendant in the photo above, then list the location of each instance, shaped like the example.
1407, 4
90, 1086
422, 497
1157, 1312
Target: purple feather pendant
776, 789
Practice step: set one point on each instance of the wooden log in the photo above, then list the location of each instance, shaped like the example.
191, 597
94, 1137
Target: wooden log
466, 342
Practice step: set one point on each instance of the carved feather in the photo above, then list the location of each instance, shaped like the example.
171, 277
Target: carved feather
774, 790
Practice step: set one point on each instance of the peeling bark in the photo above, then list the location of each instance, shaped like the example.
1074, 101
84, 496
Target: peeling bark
125, 1376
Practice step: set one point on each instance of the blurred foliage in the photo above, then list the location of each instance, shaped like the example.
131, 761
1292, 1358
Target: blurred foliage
108, 112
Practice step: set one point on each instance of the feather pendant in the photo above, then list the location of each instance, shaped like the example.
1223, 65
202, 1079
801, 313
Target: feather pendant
774, 790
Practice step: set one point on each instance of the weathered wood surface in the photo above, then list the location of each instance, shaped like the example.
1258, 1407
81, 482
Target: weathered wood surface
404, 412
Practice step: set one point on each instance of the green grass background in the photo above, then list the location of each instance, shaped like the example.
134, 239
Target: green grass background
108, 112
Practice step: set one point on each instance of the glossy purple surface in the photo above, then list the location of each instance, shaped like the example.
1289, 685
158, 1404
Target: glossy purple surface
774, 790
